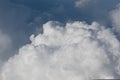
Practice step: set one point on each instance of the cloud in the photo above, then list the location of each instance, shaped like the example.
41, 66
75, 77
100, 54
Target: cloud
116, 18
5, 42
5, 45
80, 3
77, 51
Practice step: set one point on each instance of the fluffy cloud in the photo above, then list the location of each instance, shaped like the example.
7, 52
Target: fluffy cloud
115, 14
80, 3
77, 51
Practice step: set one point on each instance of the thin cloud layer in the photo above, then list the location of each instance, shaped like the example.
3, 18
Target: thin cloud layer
77, 51
80, 3
5, 44
115, 14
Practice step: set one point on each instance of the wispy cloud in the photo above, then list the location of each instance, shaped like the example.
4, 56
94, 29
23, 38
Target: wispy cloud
115, 15
5, 45
81, 3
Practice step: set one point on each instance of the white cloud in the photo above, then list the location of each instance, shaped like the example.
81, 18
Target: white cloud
80, 3
115, 14
77, 51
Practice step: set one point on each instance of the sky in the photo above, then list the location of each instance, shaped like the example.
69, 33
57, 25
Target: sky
59, 39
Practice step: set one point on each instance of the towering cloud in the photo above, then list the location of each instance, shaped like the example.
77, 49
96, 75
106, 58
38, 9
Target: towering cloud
77, 51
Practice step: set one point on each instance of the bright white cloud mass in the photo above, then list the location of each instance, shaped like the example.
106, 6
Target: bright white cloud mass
77, 51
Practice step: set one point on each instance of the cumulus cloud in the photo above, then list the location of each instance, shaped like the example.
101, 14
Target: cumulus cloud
80, 3
77, 51
115, 14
